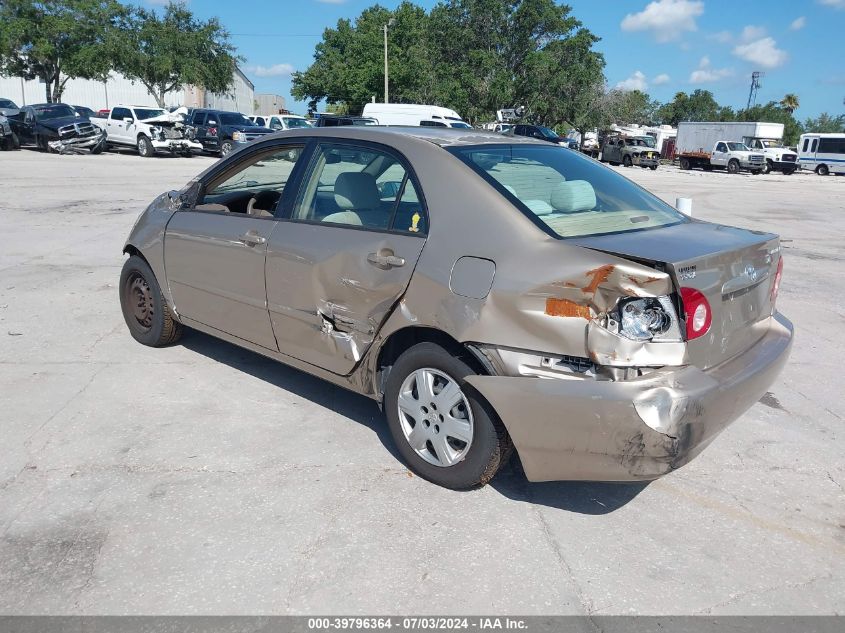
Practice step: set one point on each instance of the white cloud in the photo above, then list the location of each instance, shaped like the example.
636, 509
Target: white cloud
705, 74
637, 81
751, 33
836, 4
661, 79
276, 70
763, 52
798, 23
666, 19
723, 37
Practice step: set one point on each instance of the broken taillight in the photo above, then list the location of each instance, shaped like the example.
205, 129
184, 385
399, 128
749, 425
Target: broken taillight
776, 282
212, 131
697, 311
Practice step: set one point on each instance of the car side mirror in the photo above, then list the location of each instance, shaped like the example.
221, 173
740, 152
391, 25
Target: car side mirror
128, 120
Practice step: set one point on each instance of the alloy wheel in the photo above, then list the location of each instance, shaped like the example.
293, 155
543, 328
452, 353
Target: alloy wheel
435, 417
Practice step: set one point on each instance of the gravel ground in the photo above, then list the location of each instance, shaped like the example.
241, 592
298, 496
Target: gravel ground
205, 479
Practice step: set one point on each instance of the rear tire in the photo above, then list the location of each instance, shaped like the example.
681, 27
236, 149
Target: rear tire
144, 307
420, 420
145, 147
685, 164
733, 166
822, 170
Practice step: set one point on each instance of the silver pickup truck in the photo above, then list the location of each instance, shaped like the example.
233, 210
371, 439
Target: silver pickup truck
150, 130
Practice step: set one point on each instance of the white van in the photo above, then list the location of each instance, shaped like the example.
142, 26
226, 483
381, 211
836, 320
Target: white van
413, 114
822, 153
278, 122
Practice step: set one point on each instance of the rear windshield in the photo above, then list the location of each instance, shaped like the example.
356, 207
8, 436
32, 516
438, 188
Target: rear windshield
566, 193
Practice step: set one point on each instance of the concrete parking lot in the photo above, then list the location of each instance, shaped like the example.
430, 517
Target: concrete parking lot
206, 479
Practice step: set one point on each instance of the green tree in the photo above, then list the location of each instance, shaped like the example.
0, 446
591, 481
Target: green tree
825, 123
700, 105
175, 49
57, 40
790, 102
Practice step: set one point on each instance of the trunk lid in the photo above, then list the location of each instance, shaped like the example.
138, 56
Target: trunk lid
734, 268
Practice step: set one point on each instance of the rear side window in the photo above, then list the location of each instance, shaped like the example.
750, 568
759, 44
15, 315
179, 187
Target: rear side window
360, 187
432, 124
815, 144
832, 146
566, 193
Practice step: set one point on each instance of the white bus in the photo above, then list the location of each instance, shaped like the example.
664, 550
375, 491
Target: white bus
413, 114
822, 153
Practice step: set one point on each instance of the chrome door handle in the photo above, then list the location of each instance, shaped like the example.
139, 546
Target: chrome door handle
252, 239
385, 259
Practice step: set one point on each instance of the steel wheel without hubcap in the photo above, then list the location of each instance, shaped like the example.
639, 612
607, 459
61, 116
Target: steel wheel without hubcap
435, 417
139, 297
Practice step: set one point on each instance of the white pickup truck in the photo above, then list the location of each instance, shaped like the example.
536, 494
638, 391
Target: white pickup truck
717, 145
150, 130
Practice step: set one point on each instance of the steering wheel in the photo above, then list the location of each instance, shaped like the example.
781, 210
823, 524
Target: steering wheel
264, 201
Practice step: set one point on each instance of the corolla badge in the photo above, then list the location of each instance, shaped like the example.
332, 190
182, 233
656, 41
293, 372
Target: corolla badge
751, 272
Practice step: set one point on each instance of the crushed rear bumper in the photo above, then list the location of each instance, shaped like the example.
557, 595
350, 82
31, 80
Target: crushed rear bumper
631, 430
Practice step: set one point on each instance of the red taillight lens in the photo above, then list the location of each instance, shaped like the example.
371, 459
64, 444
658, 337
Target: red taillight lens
697, 312
776, 282
212, 131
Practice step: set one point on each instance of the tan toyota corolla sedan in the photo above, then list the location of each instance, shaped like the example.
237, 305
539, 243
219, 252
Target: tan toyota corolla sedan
491, 293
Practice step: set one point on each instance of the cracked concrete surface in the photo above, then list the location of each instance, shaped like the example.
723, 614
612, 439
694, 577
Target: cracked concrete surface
205, 479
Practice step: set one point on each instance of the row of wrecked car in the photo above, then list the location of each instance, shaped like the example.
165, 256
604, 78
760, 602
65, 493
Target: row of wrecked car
62, 128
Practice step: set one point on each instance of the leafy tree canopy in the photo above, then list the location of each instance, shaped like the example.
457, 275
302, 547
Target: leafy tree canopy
55, 40
169, 50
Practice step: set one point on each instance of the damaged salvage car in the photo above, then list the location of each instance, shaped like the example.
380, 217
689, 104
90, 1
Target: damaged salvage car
149, 130
489, 293
56, 127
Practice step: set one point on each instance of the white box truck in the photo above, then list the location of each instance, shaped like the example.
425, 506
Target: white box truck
733, 145
413, 114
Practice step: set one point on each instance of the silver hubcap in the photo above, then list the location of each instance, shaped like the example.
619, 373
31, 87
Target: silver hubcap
435, 416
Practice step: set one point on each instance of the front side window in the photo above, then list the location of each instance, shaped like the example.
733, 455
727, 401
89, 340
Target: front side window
293, 122
738, 147
118, 114
255, 186
235, 118
569, 195
259, 120
721, 147
806, 144
361, 187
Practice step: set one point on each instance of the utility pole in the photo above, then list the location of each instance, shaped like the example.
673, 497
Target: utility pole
755, 85
390, 23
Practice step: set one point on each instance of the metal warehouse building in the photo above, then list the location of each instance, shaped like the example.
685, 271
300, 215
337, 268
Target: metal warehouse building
117, 89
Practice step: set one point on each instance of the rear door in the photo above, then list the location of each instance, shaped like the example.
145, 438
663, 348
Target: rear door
215, 251
343, 258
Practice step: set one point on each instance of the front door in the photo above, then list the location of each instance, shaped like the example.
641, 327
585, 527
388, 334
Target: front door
215, 251
720, 155
338, 265
117, 126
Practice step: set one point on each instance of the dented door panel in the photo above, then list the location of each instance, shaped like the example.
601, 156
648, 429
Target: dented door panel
330, 288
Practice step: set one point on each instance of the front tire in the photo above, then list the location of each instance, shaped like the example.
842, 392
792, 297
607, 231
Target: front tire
733, 166
145, 147
822, 170
627, 162
226, 148
767, 168
443, 430
653, 167
145, 310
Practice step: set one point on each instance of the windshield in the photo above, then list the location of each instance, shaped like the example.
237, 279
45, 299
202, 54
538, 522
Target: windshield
460, 124
5, 103
546, 132
44, 113
738, 147
362, 121
293, 122
768, 144
568, 194
147, 113
235, 118
641, 142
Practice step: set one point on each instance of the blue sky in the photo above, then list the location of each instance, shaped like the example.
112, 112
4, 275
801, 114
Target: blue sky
661, 46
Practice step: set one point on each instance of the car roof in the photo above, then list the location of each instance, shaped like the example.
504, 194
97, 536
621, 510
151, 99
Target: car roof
442, 136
